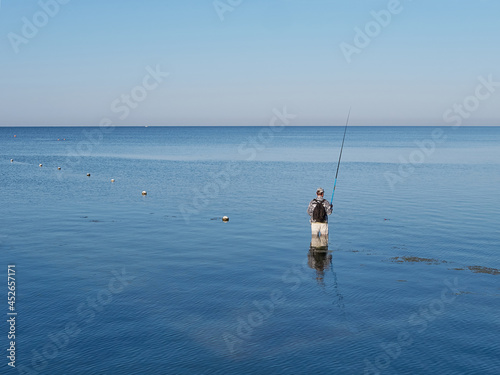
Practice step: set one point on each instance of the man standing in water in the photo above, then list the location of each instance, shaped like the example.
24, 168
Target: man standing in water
319, 209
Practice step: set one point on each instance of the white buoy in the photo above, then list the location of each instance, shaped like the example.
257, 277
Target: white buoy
58, 168
225, 218
39, 165
112, 180
88, 174
144, 192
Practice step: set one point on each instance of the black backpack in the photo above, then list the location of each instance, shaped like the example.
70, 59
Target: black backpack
319, 213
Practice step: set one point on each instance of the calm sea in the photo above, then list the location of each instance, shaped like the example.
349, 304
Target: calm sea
110, 281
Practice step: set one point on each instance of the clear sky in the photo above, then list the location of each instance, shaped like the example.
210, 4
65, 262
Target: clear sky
234, 64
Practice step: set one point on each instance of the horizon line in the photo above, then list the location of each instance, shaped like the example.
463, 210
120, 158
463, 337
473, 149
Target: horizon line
245, 126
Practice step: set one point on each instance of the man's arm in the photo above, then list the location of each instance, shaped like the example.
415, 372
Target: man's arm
328, 207
310, 209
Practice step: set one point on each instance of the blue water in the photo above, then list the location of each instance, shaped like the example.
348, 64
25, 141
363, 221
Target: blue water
109, 281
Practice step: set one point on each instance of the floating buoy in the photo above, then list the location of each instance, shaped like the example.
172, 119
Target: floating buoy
39, 165
15, 136
225, 218
58, 168
12, 160
88, 174
144, 192
112, 180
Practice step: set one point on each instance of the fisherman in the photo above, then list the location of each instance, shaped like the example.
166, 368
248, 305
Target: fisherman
319, 209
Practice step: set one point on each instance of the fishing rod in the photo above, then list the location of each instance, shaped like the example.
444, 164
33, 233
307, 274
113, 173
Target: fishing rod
340, 156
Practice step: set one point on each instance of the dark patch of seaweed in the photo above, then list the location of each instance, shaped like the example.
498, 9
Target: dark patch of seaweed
408, 259
481, 269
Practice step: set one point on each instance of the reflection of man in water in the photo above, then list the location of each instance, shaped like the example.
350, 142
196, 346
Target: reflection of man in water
319, 209
319, 258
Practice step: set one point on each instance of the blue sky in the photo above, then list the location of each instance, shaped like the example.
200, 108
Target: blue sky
263, 54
